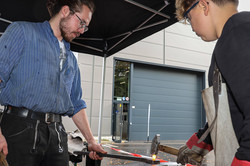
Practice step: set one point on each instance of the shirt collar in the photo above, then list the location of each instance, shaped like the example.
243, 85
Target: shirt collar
48, 28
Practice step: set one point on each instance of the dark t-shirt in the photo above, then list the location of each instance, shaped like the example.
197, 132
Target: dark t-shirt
232, 55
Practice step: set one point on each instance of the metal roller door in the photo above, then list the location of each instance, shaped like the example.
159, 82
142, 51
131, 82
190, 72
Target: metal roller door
174, 95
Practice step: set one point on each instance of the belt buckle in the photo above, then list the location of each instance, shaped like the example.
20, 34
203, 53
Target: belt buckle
48, 118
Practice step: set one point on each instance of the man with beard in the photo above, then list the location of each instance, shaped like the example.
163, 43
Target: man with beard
40, 82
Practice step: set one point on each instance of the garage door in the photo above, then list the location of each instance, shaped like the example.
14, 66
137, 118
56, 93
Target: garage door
175, 100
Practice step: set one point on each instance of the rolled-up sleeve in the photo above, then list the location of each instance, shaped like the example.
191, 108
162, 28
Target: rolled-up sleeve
11, 45
76, 94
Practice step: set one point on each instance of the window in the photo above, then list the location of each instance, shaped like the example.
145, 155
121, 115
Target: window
122, 79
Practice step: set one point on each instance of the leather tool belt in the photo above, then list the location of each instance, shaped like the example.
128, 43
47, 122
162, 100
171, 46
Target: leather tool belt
26, 113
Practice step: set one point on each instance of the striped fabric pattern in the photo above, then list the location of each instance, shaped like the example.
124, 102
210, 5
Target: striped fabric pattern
30, 71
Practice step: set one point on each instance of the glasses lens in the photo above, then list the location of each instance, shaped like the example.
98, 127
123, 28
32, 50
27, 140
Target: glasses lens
82, 24
86, 28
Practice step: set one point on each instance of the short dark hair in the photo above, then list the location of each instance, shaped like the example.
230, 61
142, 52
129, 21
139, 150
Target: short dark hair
54, 6
183, 5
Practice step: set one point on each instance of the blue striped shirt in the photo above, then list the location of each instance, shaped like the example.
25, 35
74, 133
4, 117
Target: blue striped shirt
30, 71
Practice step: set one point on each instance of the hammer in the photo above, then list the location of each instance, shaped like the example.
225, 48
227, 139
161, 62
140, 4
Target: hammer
155, 146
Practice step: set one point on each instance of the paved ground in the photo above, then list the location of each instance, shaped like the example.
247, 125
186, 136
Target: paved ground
142, 148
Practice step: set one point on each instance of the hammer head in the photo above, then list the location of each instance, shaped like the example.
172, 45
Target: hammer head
155, 144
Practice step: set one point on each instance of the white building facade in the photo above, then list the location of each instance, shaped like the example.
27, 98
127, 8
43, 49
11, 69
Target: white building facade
175, 46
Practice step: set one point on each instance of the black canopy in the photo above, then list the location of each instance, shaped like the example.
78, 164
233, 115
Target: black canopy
115, 25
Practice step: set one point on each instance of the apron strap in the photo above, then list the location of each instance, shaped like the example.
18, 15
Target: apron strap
217, 81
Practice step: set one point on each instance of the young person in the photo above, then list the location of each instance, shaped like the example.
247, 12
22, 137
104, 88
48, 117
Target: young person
212, 20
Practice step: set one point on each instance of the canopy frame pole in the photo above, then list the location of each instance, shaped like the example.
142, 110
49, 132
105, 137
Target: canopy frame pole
92, 39
139, 29
83, 45
149, 9
4, 20
102, 92
130, 33
151, 25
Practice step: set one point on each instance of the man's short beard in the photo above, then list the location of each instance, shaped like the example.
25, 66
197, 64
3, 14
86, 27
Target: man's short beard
63, 30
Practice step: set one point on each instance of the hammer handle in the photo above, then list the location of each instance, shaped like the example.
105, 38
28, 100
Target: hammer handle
168, 149
124, 157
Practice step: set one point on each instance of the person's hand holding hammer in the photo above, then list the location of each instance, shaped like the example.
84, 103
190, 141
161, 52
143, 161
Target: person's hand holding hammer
193, 152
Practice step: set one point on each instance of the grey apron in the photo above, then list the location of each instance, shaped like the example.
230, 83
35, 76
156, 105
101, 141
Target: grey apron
223, 137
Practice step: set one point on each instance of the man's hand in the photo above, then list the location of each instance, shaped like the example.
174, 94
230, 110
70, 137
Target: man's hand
3, 144
82, 123
93, 147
